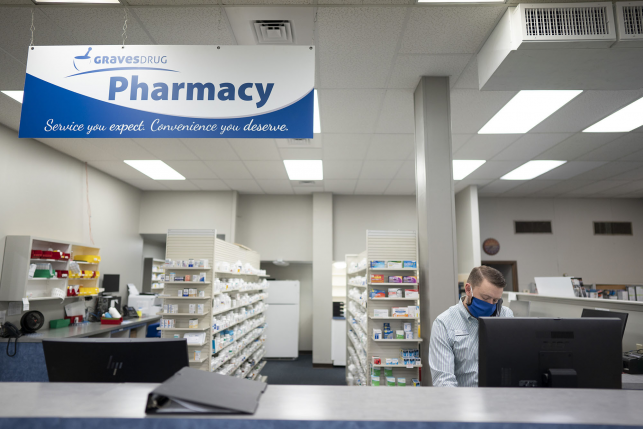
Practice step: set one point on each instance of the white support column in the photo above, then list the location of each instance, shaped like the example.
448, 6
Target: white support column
467, 229
322, 277
437, 262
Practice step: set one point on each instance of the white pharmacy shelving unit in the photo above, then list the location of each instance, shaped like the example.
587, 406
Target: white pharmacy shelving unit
361, 346
158, 275
240, 351
15, 283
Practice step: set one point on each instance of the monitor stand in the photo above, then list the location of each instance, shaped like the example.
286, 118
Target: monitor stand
561, 378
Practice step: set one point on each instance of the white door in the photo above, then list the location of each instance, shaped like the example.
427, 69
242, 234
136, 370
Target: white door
282, 331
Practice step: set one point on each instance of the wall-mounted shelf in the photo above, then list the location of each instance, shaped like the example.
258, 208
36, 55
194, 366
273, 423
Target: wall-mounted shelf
198, 361
183, 329
171, 269
187, 283
393, 318
393, 299
393, 284
183, 314
392, 269
185, 297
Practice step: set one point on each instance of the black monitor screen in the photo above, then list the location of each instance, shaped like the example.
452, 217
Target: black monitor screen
111, 360
111, 282
590, 312
550, 352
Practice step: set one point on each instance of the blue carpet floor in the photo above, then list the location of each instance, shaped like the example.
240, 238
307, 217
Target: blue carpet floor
301, 371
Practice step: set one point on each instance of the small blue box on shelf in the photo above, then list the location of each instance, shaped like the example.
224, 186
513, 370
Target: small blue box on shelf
410, 264
378, 264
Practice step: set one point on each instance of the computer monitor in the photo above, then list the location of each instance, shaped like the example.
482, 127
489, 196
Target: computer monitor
111, 360
592, 312
111, 282
549, 352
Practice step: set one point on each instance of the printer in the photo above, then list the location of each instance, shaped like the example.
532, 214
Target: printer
150, 304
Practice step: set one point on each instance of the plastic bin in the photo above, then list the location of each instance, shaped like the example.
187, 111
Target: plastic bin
107, 321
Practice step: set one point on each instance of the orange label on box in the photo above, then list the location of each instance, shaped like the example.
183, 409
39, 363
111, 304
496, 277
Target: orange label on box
377, 278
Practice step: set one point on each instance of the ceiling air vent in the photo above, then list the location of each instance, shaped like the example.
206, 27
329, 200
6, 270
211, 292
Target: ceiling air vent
629, 23
306, 182
577, 22
532, 227
300, 142
273, 32
612, 228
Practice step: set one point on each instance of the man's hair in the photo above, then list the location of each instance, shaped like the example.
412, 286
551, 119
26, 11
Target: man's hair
483, 272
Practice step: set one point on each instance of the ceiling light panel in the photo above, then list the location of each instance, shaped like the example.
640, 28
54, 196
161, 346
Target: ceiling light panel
526, 110
623, 121
154, 169
304, 169
16, 95
532, 169
463, 167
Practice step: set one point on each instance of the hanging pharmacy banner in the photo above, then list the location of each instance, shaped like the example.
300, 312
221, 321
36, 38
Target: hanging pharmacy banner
169, 92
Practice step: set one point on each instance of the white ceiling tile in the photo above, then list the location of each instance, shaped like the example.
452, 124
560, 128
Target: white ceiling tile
356, 50
119, 170
609, 170
578, 145
485, 146
619, 148
267, 169
97, 26
562, 188
15, 33
391, 146
636, 174
276, 186
449, 29
349, 110
342, 169
380, 169
256, 149
186, 26
229, 169
180, 185
301, 153
595, 188
192, 169
469, 77
492, 170
371, 187
458, 140
147, 184
210, 185
627, 188
340, 186
459, 185
211, 149
397, 114
244, 186
530, 145
346, 146
82, 149
530, 187
401, 187
408, 69
498, 187
12, 76
167, 149
407, 171
124, 149
471, 109
308, 190
586, 109
569, 170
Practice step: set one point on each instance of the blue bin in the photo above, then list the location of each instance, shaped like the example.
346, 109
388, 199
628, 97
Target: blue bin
152, 330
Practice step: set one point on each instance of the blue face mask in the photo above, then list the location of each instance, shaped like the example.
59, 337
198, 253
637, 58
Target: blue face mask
480, 308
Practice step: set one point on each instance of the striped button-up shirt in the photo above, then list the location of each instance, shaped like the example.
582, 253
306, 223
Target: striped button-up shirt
453, 352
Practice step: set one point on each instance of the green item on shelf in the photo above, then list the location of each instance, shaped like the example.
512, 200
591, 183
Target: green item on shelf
59, 323
43, 274
401, 381
388, 372
376, 371
375, 381
390, 381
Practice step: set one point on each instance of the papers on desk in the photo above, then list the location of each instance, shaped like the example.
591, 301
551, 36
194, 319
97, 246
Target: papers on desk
133, 290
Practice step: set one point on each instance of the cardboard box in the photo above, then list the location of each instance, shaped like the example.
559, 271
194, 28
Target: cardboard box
377, 278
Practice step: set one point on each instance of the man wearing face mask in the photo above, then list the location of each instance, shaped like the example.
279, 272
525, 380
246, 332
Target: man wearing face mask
453, 351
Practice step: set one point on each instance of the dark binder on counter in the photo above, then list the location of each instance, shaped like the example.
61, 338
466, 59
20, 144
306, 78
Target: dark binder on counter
191, 391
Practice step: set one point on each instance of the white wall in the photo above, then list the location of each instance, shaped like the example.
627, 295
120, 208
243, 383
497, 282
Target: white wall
304, 273
276, 226
572, 249
153, 250
161, 211
43, 193
354, 214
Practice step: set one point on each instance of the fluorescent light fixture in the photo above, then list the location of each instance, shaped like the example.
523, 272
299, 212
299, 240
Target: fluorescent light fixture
16, 95
463, 167
531, 170
316, 120
526, 110
623, 121
157, 170
304, 169
76, 1
339, 265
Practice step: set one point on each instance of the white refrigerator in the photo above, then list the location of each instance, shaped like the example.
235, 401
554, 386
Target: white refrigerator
282, 330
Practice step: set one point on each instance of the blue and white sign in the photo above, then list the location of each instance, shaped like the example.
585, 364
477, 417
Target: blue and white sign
169, 92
